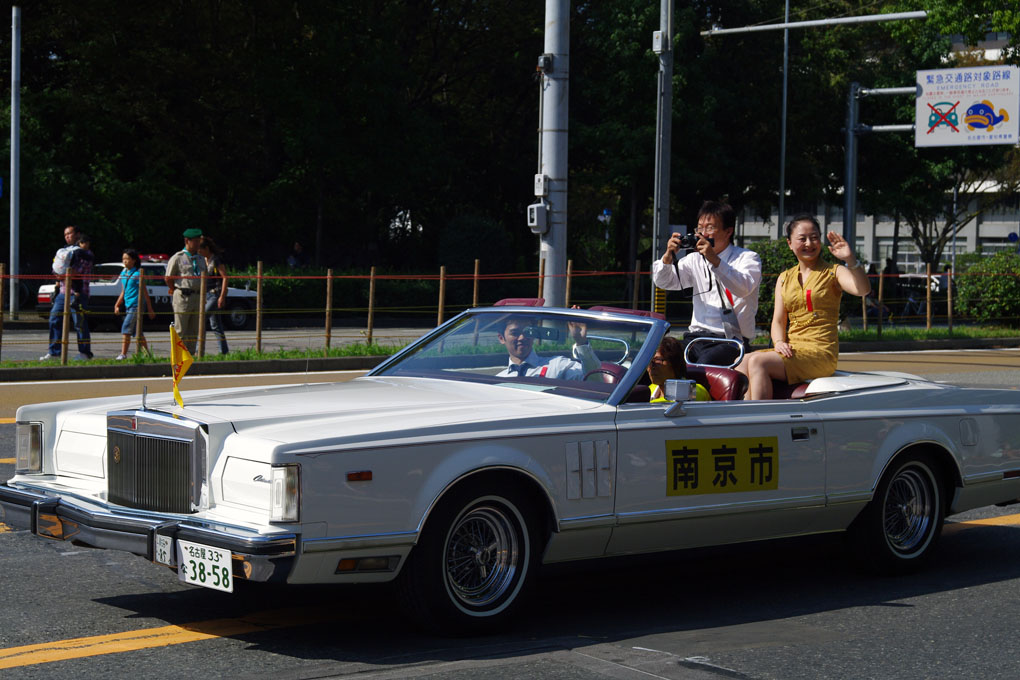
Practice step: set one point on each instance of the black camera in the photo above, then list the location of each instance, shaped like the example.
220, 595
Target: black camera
690, 241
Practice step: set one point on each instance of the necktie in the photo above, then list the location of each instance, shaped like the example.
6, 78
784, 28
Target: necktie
522, 369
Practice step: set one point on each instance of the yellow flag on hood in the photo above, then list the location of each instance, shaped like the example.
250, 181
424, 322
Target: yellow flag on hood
180, 362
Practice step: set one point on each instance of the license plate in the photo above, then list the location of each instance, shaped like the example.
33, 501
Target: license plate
204, 565
164, 550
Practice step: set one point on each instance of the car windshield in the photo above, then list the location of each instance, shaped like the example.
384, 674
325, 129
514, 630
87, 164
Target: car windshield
568, 352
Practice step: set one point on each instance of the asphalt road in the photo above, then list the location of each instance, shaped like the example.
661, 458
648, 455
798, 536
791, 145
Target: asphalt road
786, 609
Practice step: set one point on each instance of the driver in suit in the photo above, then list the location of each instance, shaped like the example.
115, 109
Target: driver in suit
518, 336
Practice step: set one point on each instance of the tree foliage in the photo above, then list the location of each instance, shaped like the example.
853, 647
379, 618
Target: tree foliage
402, 133
989, 291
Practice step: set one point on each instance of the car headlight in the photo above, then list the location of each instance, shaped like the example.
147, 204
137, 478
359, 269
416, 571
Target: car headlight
285, 491
28, 456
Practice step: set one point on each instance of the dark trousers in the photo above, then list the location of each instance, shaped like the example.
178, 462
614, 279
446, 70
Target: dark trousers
714, 353
215, 319
79, 307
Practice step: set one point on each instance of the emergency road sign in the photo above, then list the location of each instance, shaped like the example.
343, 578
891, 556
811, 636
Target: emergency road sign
968, 106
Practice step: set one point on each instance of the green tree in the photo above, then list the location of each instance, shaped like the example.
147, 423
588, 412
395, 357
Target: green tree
989, 291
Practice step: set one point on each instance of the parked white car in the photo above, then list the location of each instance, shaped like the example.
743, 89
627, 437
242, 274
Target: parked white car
105, 288
443, 472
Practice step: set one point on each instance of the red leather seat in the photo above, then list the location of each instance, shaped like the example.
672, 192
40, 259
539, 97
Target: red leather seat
610, 372
724, 384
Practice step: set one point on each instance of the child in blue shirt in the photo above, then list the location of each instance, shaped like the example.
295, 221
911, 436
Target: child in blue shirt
129, 279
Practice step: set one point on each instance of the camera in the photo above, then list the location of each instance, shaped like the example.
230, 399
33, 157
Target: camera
690, 241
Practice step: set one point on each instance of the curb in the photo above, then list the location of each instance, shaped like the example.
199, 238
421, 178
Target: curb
929, 345
162, 370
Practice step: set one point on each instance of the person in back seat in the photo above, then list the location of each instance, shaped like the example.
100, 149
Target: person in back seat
668, 364
807, 297
724, 279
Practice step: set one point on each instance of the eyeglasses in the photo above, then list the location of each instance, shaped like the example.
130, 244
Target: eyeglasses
707, 228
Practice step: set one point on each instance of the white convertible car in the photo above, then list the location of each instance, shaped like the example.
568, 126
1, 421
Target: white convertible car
450, 472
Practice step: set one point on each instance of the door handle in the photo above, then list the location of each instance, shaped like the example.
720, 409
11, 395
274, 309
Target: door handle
801, 434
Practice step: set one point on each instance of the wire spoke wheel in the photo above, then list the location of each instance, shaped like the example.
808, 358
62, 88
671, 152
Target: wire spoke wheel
483, 555
474, 567
909, 510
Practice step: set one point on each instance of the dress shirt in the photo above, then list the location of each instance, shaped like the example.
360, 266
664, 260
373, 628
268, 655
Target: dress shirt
557, 367
738, 274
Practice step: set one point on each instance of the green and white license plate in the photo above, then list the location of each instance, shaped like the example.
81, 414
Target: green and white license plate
163, 550
204, 565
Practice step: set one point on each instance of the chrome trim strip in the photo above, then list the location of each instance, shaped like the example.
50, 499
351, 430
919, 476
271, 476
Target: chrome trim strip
95, 508
592, 522
804, 502
850, 497
397, 539
265, 557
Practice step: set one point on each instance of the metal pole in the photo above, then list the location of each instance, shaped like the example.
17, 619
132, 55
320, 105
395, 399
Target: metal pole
329, 310
956, 195
15, 187
663, 131
853, 103
258, 308
442, 295
555, 80
865, 19
782, 134
371, 307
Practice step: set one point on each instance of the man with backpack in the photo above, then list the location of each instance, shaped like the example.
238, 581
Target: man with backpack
78, 259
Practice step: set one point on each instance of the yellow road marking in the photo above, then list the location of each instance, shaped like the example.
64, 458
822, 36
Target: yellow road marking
4, 528
164, 636
8, 461
1003, 521
6, 421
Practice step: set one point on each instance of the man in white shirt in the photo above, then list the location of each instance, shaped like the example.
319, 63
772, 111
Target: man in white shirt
724, 279
519, 334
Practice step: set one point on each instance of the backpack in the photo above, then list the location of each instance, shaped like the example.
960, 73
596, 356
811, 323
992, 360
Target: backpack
62, 260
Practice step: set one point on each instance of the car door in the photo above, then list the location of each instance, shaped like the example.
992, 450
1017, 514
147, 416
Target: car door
719, 472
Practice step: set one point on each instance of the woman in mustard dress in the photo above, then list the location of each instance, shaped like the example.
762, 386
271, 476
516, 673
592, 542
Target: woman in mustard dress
807, 300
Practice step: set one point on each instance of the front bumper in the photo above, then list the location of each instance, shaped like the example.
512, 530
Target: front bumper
256, 557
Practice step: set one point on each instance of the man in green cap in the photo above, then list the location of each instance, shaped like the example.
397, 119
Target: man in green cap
183, 279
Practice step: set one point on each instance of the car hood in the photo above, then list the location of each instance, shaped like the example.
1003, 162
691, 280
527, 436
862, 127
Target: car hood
371, 409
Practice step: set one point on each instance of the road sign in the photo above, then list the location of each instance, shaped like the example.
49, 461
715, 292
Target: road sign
968, 106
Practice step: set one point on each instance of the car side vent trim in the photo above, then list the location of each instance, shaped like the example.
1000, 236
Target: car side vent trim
589, 469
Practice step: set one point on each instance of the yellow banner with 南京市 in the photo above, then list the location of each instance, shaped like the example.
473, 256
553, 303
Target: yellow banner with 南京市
702, 466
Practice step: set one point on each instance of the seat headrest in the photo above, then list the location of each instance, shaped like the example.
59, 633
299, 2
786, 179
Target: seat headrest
724, 384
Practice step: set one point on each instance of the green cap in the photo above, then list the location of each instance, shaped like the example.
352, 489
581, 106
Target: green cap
192, 233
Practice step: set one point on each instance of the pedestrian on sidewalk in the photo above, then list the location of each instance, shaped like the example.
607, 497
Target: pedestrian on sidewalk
77, 258
130, 291
216, 288
183, 279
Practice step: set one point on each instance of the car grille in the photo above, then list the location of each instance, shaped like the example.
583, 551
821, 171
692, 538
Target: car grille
151, 472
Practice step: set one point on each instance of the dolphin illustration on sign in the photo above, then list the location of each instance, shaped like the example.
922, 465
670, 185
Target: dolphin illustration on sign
982, 115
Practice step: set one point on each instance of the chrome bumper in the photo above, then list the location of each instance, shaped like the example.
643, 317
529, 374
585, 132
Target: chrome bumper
255, 557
